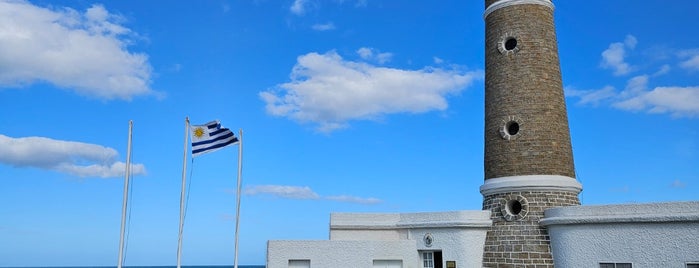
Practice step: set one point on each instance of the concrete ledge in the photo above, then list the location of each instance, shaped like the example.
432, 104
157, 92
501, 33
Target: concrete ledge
506, 3
530, 183
627, 213
387, 221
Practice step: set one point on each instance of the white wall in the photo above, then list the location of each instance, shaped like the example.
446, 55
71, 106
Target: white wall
356, 239
356, 254
646, 235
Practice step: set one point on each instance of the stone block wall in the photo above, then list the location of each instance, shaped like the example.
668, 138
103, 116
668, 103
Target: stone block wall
520, 241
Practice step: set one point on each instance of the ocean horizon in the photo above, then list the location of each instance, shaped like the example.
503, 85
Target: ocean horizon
140, 266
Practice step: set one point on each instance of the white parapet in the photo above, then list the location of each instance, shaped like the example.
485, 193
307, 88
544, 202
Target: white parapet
530, 183
506, 3
645, 235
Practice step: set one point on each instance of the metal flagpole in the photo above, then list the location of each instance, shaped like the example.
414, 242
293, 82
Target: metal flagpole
237, 210
182, 197
126, 196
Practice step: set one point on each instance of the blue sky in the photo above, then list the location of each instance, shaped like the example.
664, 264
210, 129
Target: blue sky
347, 106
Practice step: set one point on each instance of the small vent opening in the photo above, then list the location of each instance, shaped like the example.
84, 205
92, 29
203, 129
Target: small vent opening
512, 128
510, 44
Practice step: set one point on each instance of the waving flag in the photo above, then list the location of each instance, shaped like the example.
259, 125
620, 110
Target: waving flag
210, 137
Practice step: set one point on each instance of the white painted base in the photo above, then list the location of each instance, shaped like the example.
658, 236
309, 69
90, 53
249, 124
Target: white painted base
529, 183
506, 3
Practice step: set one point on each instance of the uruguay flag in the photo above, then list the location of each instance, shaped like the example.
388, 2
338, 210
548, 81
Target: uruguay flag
210, 137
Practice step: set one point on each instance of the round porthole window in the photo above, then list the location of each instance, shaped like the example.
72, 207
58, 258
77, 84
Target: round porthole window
514, 207
508, 44
510, 128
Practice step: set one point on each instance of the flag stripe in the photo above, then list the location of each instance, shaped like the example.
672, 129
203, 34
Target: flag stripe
213, 138
213, 147
219, 131
213, 124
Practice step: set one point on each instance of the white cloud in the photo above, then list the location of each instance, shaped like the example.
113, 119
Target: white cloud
678, 184
614, 57
84, 52
354, 199
330, 91
370, 54
635, 86
299, 7
357, 3
691, 61
324, 27
291, 192
630, 41
75, 158
678, 101
305, 192
663, 70
593, 97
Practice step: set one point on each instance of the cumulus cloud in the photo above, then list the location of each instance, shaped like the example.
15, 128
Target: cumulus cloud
83, 52
75, 158
615, 56
329, 91
677, 101
593, 97
299, 7
305, 192
324, 27
663, 70
690, 59
371, 54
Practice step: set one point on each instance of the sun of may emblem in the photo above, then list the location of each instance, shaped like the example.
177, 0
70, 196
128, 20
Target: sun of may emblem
198, 132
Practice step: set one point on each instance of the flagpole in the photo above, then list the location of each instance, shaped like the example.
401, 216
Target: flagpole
126, 196
182, 197
240, 178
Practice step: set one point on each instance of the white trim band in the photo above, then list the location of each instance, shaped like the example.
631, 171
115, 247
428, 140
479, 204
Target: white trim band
506, 3
530, 183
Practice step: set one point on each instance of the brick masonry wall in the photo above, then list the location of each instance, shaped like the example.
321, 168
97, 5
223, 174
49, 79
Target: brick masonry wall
525, 86
521, 243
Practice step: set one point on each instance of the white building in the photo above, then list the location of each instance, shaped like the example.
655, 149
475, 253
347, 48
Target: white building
532, 216
406, 240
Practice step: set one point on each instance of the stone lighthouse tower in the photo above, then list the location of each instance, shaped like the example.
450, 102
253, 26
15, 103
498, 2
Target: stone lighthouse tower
528, 156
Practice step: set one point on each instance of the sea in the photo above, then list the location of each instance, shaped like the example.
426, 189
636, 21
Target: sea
164, 266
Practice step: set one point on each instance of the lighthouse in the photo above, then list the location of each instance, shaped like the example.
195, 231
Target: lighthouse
528, 158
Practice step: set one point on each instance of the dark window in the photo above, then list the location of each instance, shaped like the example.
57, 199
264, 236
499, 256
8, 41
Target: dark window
693, 265
512, 128
510, 44
514, 206
614, 265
